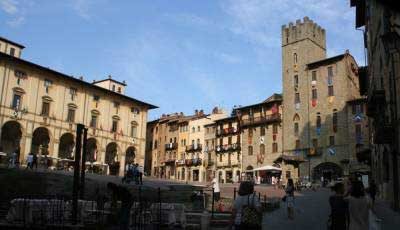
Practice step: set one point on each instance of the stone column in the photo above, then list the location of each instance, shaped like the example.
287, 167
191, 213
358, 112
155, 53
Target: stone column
26, 148
122, 165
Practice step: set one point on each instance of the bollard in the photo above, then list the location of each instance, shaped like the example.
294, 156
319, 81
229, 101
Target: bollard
205, 220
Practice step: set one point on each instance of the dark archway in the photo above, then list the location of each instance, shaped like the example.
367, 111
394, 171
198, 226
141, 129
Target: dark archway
40, 141
328, 170
112, 158
11, 134
130, 155
66, 146
91, 150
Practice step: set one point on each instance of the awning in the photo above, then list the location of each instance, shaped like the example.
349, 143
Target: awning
267, 168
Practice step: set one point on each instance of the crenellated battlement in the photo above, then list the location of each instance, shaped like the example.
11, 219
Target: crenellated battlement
302, 30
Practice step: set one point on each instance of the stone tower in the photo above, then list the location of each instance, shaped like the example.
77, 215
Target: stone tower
302, 43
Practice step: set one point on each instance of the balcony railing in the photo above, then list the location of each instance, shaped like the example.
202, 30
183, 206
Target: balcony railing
171, 146
261, 120
231, 163
193, 162
227, 148
226, 131
194, 148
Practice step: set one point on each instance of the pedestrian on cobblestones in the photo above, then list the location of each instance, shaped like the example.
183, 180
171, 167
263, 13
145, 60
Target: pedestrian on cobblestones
372, 190
359, 207
246, 211
339, 216
290, 198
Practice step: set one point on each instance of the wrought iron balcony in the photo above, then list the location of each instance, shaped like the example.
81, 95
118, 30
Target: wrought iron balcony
227, 148
226, 131
194, 148
261, 120
171, 146
193, 162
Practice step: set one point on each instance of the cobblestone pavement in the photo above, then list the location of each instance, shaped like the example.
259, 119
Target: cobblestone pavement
312, 211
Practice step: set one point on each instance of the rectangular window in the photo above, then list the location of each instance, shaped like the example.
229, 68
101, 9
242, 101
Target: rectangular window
334, 122
274, 147
296, 128
114, 127
314, 94
314, 75
133, 130
262, 131
297, 98
330, 91
297, 144
155, 144
72, 92
358, 109
331, 140
12, 52
275, 129
16, 104
296, 80
93, 122
229, 140
71, 115
330, 71
47, 84
45, 108
220, 157
315, 143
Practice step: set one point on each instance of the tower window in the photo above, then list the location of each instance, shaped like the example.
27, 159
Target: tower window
318, 121
296, 80
334, 121
12, 52
296, 128
297, 98
314, 75
297, 145
314, 94
16, 102
250, 150
330, 91
295, 58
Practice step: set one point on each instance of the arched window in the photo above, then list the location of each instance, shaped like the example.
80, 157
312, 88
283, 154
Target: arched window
250, 150
262, 149
318, 120
334, 121
296, 117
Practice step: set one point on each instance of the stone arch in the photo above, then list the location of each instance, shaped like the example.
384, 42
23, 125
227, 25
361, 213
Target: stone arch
41, 140
112, 158
328, 170
130, 155
11, 135
296, 117
66, 146
91, 149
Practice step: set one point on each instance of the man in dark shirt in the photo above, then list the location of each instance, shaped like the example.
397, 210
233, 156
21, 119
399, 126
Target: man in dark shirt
121, 193
339, 209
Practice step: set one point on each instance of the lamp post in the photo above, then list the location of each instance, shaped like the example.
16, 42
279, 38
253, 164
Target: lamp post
391, 42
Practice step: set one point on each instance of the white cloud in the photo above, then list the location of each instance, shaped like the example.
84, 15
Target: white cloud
16, 21
81, 7
9, 6
227, 58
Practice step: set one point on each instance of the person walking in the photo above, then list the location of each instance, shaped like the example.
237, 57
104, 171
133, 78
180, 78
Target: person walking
29, 161
13, 159
372, 190
216, 190
246, 211
290, 198
35, 161
359, 207
339, 217
141, 171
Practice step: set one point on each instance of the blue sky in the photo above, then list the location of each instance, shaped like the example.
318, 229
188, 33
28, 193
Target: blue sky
180, 55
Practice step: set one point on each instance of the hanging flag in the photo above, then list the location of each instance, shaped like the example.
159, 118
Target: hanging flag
275, 109
314, 102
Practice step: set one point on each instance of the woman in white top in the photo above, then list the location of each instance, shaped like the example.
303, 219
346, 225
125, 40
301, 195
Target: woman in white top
246, 198
359, 206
